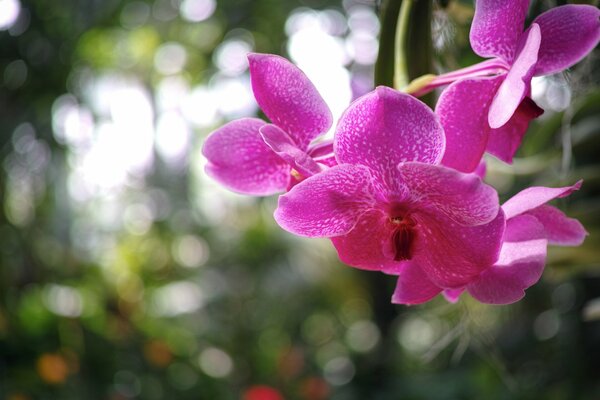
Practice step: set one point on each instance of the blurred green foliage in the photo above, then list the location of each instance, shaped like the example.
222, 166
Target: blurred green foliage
170, 288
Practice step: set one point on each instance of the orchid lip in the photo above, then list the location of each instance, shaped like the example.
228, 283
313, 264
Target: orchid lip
403, 237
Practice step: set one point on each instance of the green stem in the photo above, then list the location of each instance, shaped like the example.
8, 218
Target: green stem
416, 50
384, 67
401, 59
405, 46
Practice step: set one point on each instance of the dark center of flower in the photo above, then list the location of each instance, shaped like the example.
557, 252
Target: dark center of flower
403, 237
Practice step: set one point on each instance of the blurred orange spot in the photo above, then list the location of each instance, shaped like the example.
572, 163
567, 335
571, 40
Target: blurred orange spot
52, 368
18, 396
158, 353
314, 389
290, 362
262, 392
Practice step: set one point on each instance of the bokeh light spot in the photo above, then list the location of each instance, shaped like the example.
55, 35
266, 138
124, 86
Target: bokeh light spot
339, 371
52, 368
215, 362
63, 300
546, 325
134, 14
363, 336
15, 74
231, 56
190, 251
197, 10
170, 58
9, 12
262, 392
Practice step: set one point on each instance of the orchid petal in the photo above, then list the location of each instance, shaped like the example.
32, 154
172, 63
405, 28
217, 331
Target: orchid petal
328, 204
466, 131
560, 229
239, 159
497, 26
386, 127
505, 141
481, 170
452, 295
461, 197
414, 287
453, 255
281, 143
321, 149
288, 98
519, 266
534, 197
327, 161
368, 244
323, 153
569, 33
517, 83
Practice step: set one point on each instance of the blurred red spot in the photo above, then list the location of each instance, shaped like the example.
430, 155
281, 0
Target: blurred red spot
262, 392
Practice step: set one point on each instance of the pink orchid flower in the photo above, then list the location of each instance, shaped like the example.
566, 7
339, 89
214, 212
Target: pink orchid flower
253, 157
389, 205
530, 226
488, 108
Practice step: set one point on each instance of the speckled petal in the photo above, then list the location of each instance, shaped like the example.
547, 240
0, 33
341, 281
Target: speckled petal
497, 27
328, 204
386, 127
453, 255
519, 266
321, 149
560, 229
240, 160
288, 98
462, 109
569, 33
534, 197
505, 141
461, 197
284, 147
517, 83
414, 287
368, 245
322, 153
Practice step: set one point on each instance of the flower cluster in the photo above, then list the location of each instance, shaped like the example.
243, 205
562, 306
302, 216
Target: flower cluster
399, 189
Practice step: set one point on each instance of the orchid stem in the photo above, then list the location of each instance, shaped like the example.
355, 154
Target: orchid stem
384, 66
401, 78
426, 83
413, 44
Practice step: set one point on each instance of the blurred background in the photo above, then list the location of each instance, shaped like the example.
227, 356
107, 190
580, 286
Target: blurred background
125, 273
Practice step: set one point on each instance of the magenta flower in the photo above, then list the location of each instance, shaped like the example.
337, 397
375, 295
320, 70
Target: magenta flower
253, 157
389, 205
481, 112
530, 226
